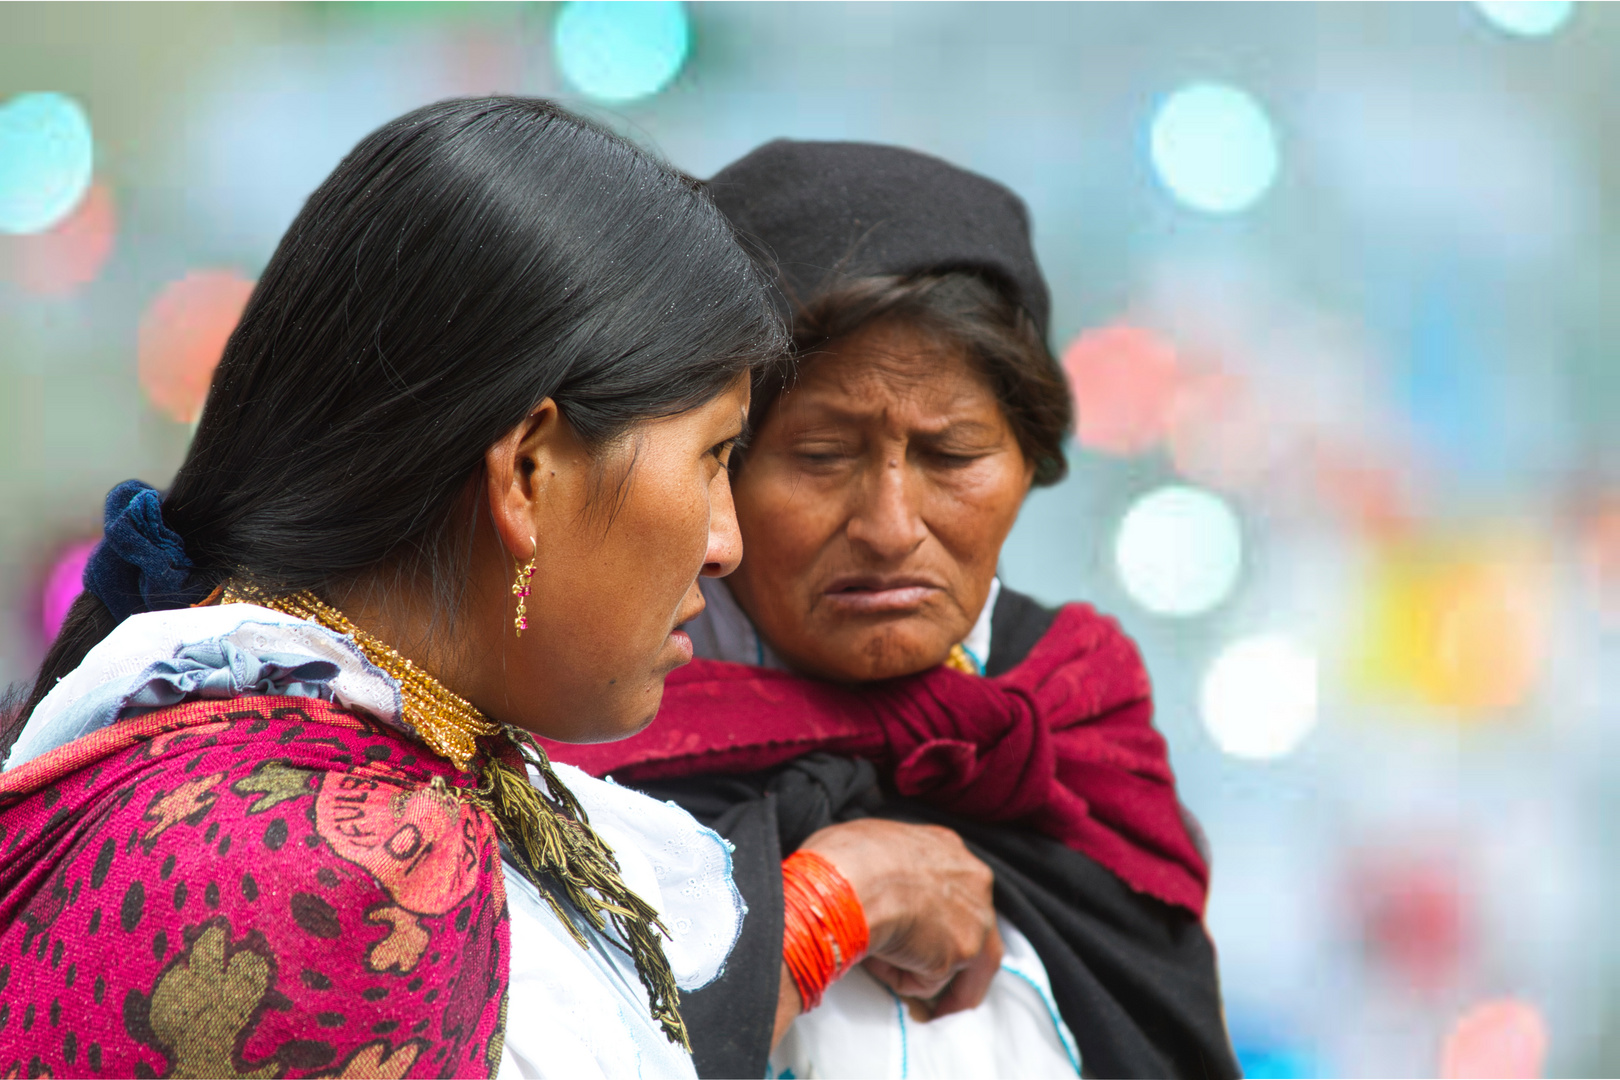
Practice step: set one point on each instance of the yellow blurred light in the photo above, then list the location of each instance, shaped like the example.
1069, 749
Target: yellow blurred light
1460, 626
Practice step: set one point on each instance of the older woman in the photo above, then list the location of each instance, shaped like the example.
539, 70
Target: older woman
891, 678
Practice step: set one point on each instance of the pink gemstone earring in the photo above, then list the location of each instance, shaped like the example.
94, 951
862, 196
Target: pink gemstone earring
520, 589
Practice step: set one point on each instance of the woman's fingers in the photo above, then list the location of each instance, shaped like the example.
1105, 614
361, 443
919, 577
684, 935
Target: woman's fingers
932, 997
907, 984
972, 983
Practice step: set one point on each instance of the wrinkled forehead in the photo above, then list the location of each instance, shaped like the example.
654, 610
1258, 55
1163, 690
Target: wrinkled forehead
888, 366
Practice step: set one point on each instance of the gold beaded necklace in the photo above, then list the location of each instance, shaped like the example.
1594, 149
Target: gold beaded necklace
446, 721
545, 826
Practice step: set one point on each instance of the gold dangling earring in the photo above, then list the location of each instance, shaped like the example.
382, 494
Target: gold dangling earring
520, 589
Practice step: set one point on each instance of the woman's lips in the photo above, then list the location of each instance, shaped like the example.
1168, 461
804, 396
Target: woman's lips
881, 600
683, 642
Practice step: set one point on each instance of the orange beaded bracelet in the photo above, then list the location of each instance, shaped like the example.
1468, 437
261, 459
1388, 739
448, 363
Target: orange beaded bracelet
824, 931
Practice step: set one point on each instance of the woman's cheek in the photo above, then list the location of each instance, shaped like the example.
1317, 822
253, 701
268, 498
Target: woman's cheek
686, 509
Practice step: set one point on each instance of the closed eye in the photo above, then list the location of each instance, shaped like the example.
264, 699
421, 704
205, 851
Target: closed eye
951, 460
814, 456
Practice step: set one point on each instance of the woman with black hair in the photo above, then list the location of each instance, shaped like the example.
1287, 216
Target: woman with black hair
274, 805
867, 687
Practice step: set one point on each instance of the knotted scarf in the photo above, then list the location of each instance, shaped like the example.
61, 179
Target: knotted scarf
1063, 743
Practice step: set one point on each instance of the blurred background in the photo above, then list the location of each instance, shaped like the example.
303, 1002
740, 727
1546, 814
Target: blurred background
1335, 286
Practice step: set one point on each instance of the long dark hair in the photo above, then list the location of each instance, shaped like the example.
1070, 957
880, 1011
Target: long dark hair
463, 263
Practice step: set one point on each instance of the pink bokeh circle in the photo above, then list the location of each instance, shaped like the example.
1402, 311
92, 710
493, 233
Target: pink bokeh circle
1501, 1038
63, 585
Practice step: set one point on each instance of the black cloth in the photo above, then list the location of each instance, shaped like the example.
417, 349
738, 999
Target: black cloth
1134, 978
1016, 624
826, 211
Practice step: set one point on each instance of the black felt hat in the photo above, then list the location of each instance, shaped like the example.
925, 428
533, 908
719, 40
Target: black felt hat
829, 211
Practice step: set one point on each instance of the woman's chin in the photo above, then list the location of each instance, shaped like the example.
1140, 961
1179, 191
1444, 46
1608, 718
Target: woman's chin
873, 654
625, 715
606, 732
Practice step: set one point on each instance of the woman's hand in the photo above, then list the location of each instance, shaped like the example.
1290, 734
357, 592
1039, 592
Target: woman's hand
928, 910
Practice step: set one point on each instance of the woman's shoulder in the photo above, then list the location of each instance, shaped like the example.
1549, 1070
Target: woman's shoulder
158, 659
1019, 622
246, 887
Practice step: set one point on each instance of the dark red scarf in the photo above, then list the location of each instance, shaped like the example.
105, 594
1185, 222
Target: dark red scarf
1063, 743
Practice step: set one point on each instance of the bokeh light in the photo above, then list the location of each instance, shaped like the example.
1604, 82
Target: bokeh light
1368, 496
63, 585
1124, 380
1213, 147
182, 336
1413, 916
1600, 561
1258, 698
1275, 1061
1526, 18
1225, 435
1179, 551
47, 154
1505, 1038
68, 255
619, 52
1491, 636
1458, 625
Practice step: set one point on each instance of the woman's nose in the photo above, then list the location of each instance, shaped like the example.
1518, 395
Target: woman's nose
725, 538
888, 521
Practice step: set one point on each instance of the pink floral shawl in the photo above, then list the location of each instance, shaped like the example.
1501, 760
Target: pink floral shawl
261, 887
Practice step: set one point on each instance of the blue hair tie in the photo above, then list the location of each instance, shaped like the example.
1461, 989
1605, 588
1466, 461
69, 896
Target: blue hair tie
140, 564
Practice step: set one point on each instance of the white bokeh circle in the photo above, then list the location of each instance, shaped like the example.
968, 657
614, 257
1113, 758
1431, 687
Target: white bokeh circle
1179, 551
1259, 697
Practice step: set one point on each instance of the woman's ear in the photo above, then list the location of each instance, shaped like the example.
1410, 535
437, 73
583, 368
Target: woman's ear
519, 468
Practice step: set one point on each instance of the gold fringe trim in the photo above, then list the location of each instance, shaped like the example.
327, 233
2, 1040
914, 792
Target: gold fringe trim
550, 833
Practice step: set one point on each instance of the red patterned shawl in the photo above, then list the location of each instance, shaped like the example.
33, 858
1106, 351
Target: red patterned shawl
260, 887
1064, 743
